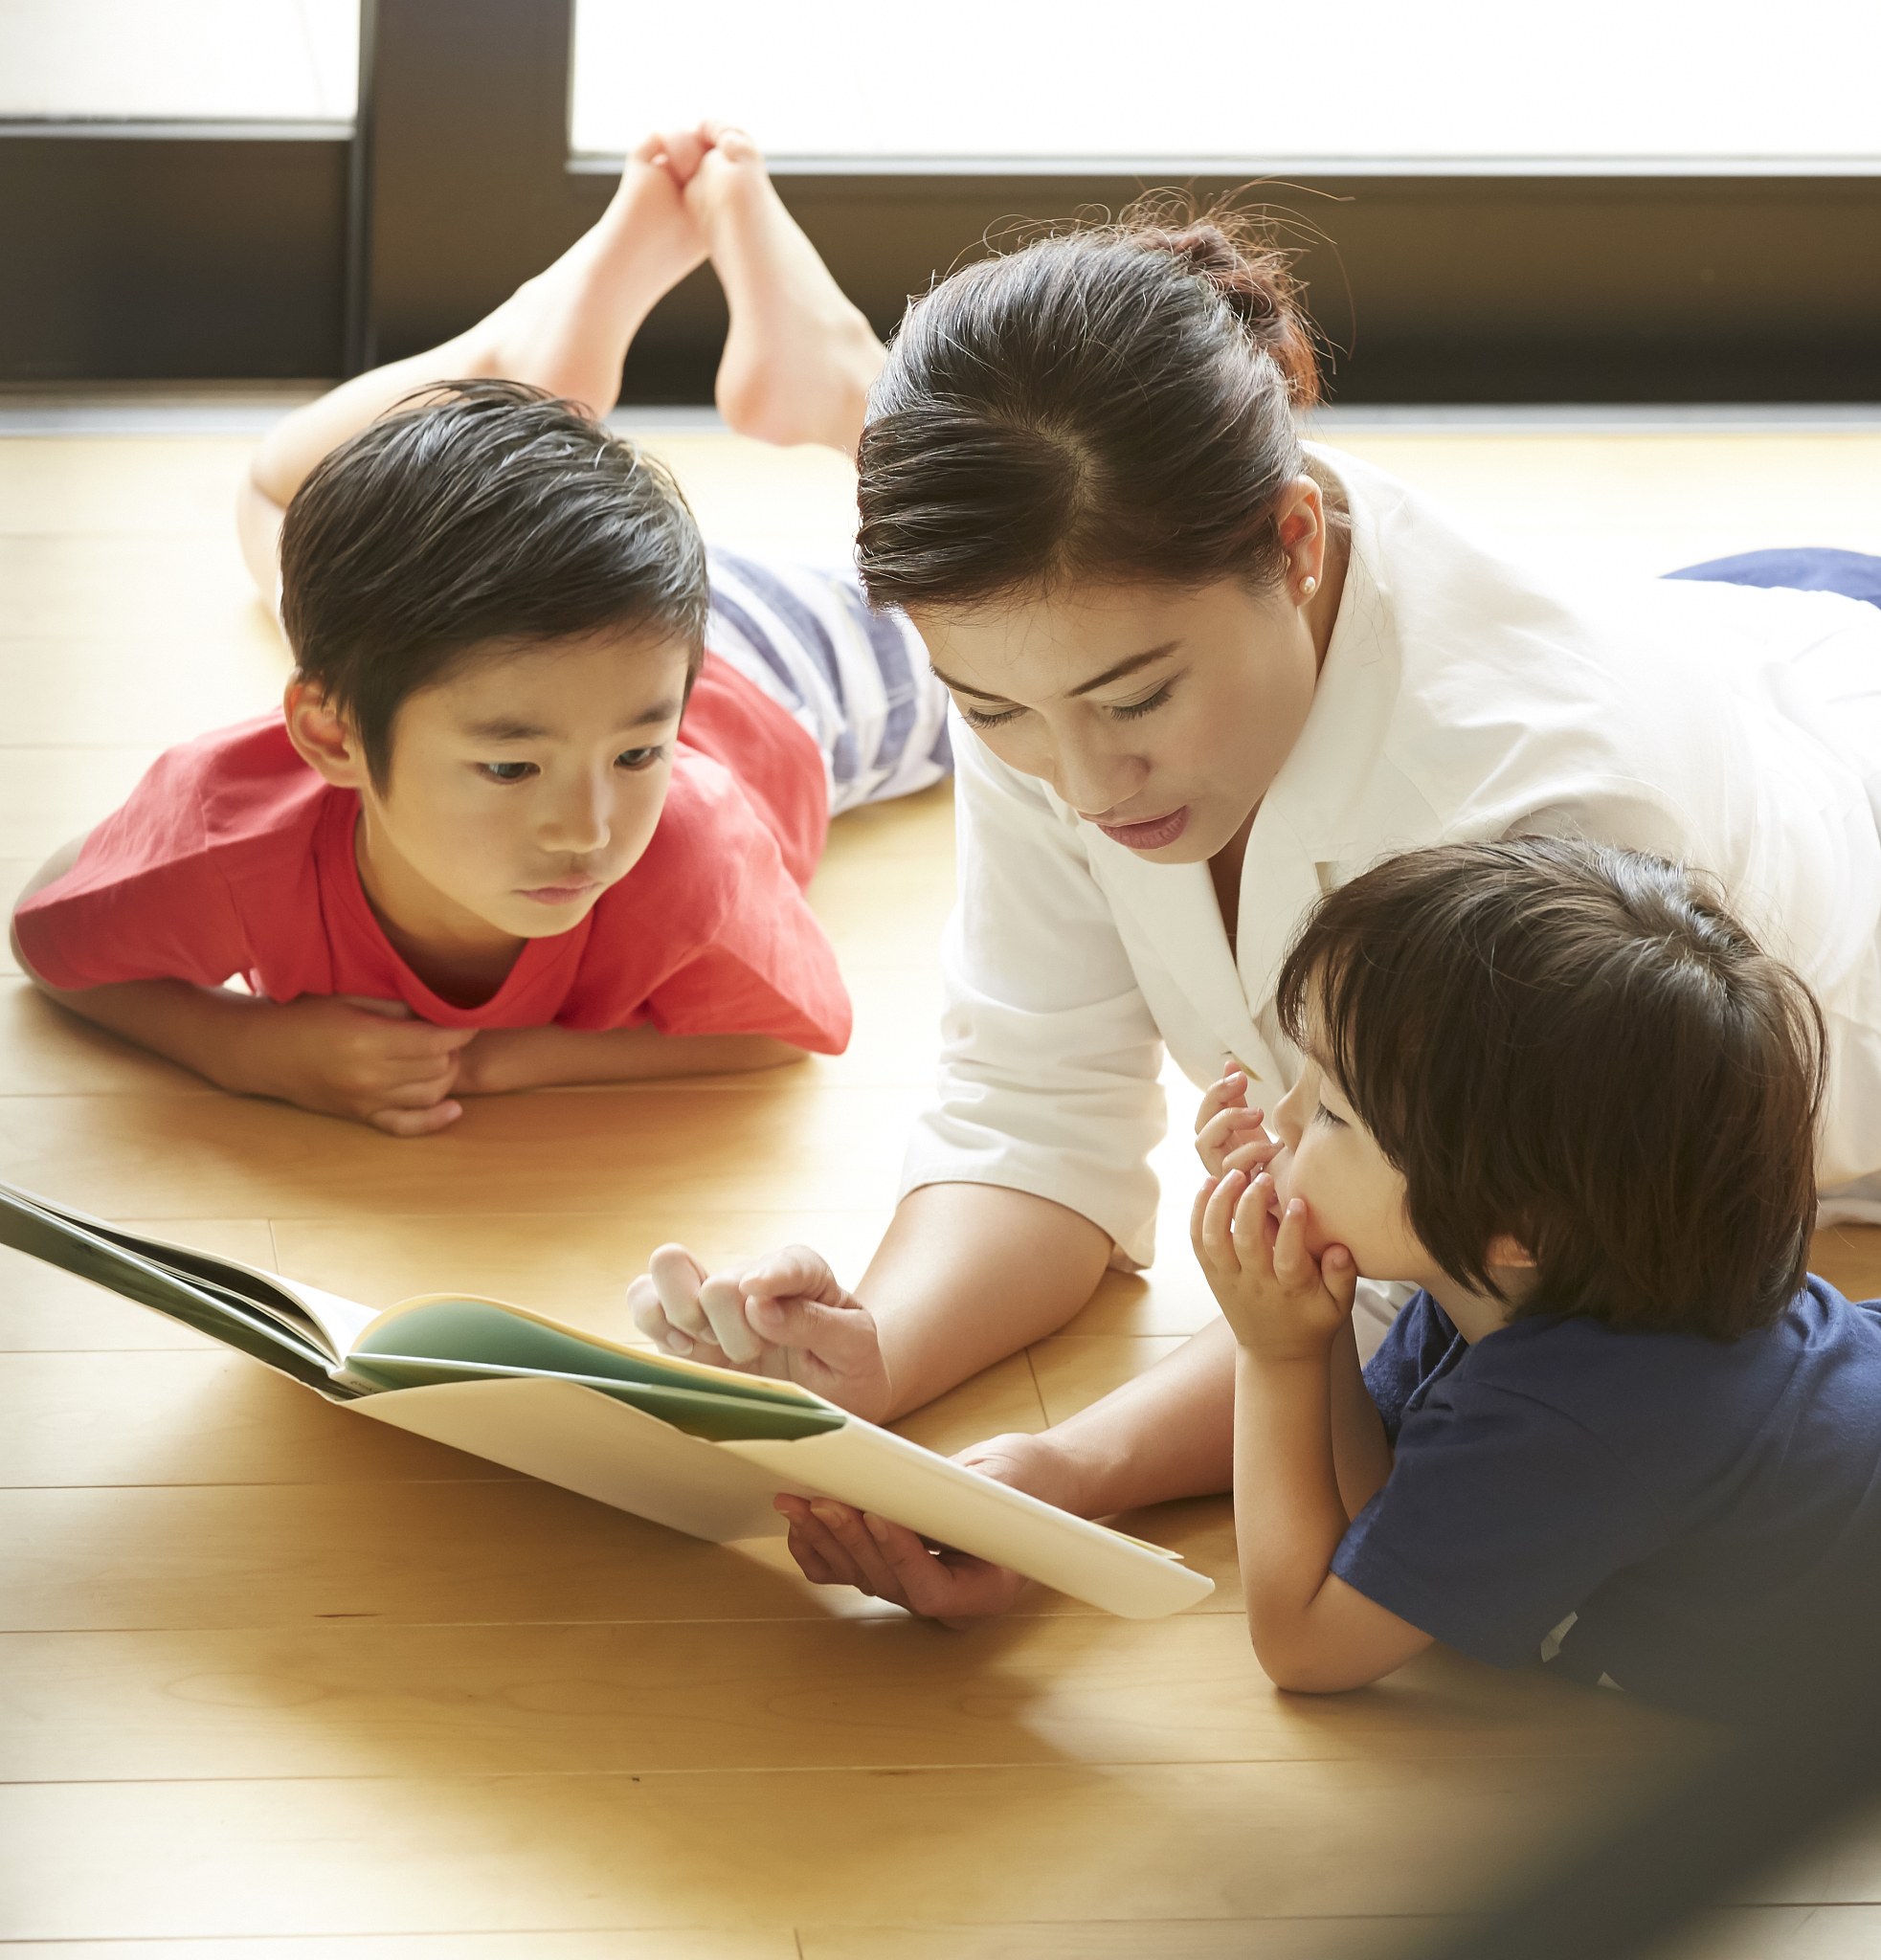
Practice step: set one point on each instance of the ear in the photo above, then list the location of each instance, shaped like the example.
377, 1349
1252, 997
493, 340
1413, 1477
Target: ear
322, 738
1300, 519
1507, 1252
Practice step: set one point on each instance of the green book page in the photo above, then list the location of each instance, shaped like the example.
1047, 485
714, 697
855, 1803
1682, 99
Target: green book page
715, 1418
503, 1337
514, 1337
196, 1298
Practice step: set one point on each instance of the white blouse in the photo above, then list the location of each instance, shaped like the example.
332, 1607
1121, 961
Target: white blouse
1464, 695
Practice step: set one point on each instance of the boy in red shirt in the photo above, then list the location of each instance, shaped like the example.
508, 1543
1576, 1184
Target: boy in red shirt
478, 849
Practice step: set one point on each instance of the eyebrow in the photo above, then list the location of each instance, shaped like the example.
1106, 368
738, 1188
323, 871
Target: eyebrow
498, 729
1122, 669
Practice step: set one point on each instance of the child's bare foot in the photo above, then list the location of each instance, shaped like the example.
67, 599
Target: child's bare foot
799, 357
567, 329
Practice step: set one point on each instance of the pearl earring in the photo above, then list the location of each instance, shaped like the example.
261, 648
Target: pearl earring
1308, 586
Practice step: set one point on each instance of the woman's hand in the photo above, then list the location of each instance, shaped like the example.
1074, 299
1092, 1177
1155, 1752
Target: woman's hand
1228, 1134
1282, 1303
782, 1315
837, 1545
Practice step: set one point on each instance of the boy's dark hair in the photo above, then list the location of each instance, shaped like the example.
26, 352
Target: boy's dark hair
1114, 402
484, 511
1580, 1047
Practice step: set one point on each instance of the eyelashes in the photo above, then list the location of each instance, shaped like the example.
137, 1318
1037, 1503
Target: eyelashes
632, 759
1129, 711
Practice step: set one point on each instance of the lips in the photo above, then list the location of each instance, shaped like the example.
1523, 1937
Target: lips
563, 894
1155, 835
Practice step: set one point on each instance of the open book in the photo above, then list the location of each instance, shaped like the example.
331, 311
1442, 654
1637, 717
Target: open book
700, 1449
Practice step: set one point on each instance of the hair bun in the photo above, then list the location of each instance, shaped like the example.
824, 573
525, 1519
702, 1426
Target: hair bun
1252, 276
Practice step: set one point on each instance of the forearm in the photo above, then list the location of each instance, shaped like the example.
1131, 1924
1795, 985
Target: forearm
969, 1273
1361, 1453
1288, 1515
1167, 1433
508, 1059
207, 1029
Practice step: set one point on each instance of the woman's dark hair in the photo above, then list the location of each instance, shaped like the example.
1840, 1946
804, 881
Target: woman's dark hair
484, 511
1112, 403
1579, 1047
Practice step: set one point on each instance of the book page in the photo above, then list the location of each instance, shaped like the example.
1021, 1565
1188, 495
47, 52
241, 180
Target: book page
448, 1328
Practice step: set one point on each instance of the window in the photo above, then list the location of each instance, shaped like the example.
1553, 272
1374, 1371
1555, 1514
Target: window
1220, 84
143, 62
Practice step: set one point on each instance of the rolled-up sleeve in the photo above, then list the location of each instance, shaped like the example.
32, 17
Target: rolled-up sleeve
1050, 1056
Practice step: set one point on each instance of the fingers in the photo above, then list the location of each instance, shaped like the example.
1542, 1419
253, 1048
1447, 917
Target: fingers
1214, 1221
797, 1272
1338, 1273
1229, 1093
1298, 1271
1231, 1131
417, 1122
833, 1537
837, 1546
665, 1301
721, 1299
1252, 1156
840, 1337
385, 1010
421, 1091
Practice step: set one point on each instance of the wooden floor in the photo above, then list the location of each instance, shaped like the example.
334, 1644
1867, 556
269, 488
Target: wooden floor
280, 1682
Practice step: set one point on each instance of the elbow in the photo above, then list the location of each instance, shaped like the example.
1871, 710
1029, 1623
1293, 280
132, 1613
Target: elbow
1298, 1666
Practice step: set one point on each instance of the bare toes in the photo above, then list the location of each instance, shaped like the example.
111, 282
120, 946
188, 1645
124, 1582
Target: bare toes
730, 142
686, 150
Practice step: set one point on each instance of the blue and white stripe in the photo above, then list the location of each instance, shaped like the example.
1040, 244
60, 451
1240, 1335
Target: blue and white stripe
858, 682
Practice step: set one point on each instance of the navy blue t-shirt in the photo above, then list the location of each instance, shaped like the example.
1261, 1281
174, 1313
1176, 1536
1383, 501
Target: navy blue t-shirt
1644, 1510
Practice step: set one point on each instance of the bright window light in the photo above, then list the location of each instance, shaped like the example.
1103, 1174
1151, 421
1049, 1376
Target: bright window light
179, 60
1452, 84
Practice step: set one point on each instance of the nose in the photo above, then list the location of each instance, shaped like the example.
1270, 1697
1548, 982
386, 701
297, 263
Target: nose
580, 819
1288, 1117
1093, 778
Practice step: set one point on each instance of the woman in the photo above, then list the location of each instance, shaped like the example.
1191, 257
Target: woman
1211, 673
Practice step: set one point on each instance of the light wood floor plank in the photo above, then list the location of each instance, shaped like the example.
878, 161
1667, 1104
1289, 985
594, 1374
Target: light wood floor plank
802, 1145
102, 485
618, 1943
138, 594
195, 1415
43, 1308
49, 795
1180, 1843
64, 692
1075, 1369
361, 1699
1123, 1939
256, 1555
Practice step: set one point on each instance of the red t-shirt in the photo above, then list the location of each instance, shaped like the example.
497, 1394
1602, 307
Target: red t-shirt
233, 856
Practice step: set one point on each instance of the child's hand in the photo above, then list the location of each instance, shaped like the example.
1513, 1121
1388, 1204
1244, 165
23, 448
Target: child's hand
1280, 1301
368, 1060
1229, 1135
782, 1315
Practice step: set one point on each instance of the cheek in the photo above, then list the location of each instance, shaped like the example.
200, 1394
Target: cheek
638, 804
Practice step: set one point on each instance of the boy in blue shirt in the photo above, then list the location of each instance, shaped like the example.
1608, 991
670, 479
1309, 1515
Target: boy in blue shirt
1618, 1429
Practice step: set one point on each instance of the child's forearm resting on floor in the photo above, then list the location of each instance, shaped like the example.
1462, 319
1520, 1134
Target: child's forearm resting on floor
372, 1060
1291, 1323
